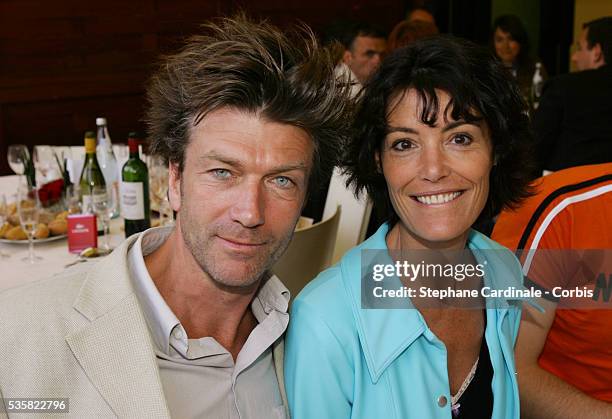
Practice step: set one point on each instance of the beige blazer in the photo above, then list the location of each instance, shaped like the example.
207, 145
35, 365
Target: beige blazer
81, 335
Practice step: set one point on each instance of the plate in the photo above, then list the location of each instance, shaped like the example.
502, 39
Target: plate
48, 239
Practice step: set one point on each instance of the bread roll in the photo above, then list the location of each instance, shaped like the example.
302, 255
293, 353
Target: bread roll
16, 233
4, 229
57, 227
42, 231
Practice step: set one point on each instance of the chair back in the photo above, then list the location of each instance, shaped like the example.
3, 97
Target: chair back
310, 252
356, 213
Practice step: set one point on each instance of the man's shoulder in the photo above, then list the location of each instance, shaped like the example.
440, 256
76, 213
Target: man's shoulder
577, 81
41, 299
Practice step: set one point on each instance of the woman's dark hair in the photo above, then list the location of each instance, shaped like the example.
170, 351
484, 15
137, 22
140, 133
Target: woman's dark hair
514, 26
480, 89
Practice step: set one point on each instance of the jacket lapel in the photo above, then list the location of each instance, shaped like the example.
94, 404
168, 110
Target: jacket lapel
115, 348
383, 333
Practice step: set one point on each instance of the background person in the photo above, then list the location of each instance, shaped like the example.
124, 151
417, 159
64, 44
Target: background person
564, 355
572, 123
441, 138
364, 48
420, 14
406, 32
511, 45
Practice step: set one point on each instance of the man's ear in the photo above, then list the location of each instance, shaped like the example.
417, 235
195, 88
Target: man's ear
174, 186
347, 57
597, 54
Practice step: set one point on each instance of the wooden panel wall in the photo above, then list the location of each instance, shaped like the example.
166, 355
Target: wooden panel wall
65, 62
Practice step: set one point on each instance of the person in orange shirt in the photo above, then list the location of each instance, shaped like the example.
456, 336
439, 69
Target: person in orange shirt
564, 355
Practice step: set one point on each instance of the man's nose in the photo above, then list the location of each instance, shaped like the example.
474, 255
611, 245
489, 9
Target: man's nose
249, 206
574, 58
377, 59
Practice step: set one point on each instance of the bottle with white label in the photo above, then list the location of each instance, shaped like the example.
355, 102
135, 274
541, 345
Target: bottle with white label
536, 86
108, 162
134, 191
92, 179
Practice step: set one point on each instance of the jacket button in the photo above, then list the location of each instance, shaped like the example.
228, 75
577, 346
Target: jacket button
442, 400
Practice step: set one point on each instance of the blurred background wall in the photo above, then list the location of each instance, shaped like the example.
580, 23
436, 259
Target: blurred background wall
65, 62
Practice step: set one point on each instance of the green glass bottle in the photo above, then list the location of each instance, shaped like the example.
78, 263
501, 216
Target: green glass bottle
92, 184
135, 204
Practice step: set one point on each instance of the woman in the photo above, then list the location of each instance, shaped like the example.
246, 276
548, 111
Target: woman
511, 45
441, 140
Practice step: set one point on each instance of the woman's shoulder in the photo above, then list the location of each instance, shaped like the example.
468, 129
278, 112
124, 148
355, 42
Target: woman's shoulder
499, 258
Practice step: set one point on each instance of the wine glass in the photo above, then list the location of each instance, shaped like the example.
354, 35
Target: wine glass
103, 204
72, 199
3, 217
17, 155
158, 173
45, 164
28, 209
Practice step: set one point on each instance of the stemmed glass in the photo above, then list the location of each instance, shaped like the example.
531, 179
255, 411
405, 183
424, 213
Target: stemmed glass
158, 173
28, 209
17, 156
103, 204
3, 218
45, 163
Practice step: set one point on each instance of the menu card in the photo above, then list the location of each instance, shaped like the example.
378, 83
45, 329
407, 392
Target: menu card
82, 232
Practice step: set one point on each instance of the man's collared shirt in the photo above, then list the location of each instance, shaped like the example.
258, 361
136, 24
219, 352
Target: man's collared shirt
199, 376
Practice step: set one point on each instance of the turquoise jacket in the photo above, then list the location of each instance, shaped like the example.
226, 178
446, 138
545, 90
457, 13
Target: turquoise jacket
342, 361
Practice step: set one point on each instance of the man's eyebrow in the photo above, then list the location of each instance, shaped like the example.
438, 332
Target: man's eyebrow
290, 167
220, 158
238, 164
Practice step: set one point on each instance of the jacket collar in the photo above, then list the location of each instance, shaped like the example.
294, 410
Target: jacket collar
385, 333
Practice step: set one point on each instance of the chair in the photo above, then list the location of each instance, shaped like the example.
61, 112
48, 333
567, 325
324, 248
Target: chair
356, 213
309, 253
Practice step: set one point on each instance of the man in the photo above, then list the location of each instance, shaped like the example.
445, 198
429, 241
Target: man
186, 321
364, 47
572, 123
563, 355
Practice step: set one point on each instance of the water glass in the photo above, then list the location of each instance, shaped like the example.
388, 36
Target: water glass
17, 156
103, 204
28, 209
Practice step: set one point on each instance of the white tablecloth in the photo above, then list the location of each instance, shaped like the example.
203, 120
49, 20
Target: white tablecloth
15, 272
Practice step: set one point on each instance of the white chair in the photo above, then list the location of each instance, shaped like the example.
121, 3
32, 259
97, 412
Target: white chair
355, 214
309, 253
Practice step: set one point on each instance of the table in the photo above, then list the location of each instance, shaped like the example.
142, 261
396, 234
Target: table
15, 272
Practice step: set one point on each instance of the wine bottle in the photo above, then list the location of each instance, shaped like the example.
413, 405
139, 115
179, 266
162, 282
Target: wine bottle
91, 176
108, 162
134, 191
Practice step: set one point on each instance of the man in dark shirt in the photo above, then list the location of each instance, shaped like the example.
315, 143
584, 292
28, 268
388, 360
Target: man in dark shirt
573, 122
